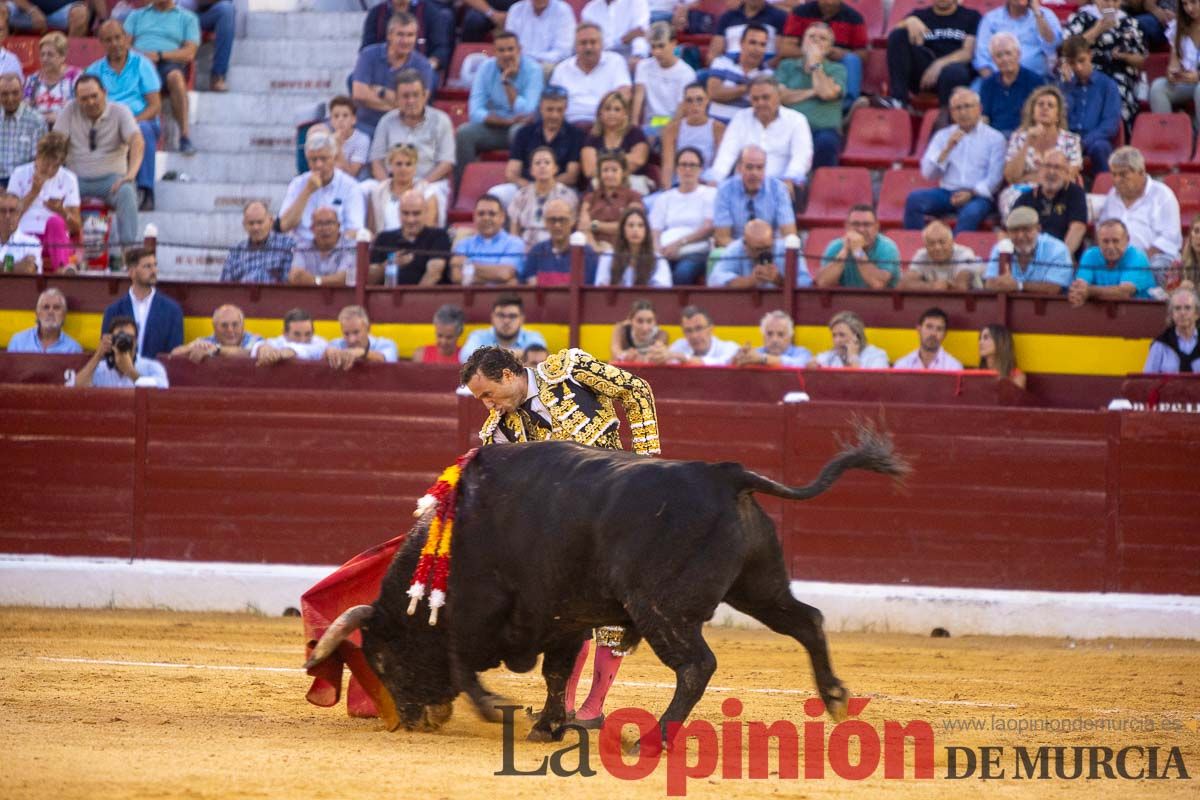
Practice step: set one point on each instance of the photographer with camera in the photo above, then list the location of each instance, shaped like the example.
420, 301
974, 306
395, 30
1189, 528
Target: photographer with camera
757, 259
114, 365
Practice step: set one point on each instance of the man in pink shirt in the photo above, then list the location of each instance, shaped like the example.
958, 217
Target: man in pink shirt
931, 329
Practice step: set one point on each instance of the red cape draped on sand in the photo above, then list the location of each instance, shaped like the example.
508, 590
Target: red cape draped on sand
354, 583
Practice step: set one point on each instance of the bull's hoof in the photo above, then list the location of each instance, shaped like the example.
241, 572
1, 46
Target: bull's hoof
534, 716
439, 715
540, 735
836, 699
488, 707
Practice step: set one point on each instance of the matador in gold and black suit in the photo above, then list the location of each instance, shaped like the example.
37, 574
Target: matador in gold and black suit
571, 398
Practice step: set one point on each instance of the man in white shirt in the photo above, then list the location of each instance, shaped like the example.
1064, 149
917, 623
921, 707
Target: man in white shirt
357, 343
781, 132
590, 74
698, 345
1148, 208
116, 366
323, 185
623, 23
298, 341
544, 28
931, 330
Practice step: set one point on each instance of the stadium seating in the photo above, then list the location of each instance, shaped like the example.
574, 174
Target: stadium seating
1164, 139
1193, 164
814, 246
897, 185
981, 242
908, 242
25, 48
1187, 190
82, 52
831, 193
458, 84
1102, 184
873, 16
900, 10
875, 72
477, 179
456, 108
924, 133
878, 138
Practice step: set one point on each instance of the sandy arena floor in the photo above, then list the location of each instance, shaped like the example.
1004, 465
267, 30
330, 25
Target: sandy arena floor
96, 704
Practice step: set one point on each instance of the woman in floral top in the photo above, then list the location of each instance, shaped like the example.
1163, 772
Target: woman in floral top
1118, 47
53, 86
1043, 128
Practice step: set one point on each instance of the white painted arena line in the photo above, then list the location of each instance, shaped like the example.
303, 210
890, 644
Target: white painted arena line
105, 662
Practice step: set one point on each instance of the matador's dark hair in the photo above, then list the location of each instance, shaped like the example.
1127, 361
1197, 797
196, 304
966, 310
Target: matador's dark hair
490, 362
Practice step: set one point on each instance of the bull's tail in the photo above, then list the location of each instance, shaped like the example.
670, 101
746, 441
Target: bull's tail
873, 452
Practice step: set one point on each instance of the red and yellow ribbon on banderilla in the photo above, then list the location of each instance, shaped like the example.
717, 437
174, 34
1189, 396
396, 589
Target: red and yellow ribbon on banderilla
433, 567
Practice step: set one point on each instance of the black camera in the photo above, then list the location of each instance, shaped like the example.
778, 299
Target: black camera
765, 258
122, 342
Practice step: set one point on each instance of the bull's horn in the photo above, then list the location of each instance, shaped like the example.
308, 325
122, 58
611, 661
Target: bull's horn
350, 620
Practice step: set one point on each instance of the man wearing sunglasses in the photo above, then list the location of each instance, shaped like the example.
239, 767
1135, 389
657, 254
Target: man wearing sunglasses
105, 153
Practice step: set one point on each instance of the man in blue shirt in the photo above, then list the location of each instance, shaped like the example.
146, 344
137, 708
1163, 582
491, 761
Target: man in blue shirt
1033, 261
1093, 103
864, 258
1036, 28
967, 160
169, 36
373, 82
1003, 94
113, 368
47, 336
1113, 269
229, 338
507, 331
778, 348
749, 194
492, 255
755, 260
129, 78
504, 96
548, 263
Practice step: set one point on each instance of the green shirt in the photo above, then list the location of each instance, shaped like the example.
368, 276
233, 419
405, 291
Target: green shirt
884, 254
820, 113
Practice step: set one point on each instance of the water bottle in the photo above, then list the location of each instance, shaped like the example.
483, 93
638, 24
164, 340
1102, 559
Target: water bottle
468, 273
391, 272
9, 262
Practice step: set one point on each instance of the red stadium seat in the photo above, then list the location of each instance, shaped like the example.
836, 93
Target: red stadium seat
25, 48
878, 138
814, 246
1102, 184
1155, 66
908, 242
928, 120
1164, 139
875, 72
900, 10
872, 14
457, 109
984, 6
577, 7
1187, 190
832, 191
1192, 165
458, 85
82, 52
981, 242
897, 185
477, 179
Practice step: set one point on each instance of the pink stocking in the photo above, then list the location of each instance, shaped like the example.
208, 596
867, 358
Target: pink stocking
573, 681
56, 244
603, 675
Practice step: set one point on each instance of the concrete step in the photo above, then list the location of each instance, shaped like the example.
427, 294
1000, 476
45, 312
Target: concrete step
305, 25
280, 6
234, 167
174, 196
214, 230
189, 263
280, 79
245, 108
214, 139
307, 53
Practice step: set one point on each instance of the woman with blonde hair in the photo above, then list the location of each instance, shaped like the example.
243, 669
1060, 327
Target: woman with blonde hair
1189, 263
52, 86
383, 201
850, 346
614, 132
1043, 129
996, 353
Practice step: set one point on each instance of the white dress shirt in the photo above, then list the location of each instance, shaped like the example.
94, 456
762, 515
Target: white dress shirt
976, 164
787, 141
1152, 219
547, 37
305, 351
720, 352
617, 18
585, 89
141, 312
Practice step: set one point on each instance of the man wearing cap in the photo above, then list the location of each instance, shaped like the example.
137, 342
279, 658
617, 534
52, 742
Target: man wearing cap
1040, 263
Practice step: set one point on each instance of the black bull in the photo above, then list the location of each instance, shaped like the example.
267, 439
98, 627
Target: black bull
552, 539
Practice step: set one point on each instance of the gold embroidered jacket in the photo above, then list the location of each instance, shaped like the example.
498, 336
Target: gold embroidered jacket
578, 391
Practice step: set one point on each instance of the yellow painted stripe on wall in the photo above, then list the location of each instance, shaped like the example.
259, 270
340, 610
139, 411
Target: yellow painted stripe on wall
1036, 352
